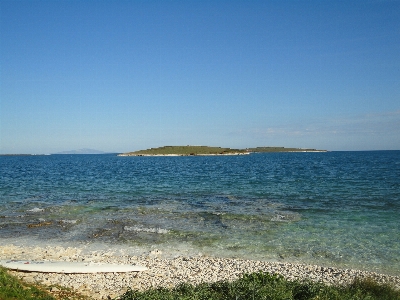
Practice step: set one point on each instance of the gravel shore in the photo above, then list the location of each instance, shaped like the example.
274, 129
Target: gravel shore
167, 272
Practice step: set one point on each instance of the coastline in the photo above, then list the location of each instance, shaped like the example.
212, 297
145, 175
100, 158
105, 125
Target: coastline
189, 150
168, 272
200, 154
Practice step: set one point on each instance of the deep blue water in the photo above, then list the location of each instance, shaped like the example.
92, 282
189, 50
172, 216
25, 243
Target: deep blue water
335, 208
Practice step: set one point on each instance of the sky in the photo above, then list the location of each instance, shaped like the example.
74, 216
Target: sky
120, 76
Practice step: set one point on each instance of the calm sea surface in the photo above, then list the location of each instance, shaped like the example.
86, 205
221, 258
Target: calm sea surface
335, 209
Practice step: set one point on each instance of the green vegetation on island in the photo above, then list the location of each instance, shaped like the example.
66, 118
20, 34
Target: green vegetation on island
206, 150
186, 151
282, 149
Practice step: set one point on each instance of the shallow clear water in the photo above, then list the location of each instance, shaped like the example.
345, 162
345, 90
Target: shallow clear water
336, 208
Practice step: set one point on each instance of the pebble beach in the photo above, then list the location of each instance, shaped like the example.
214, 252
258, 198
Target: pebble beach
167, 272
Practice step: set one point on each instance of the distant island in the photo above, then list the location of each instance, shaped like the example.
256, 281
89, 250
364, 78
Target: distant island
186, 151
283, 149
206, 150
82, 151
20, 154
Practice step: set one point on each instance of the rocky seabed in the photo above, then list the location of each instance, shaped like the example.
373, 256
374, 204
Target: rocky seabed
167, 272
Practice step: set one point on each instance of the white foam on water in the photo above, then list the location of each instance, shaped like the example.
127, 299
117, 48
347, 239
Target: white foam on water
143, 229
279, 218
286, 217
36, 209
69, 221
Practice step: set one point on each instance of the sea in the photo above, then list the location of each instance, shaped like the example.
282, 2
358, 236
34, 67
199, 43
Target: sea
339, 209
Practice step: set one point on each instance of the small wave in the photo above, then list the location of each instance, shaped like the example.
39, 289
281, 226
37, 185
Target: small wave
279, 218
143, 229
17, 216
36, 209
218, 213
68, 221
285, 217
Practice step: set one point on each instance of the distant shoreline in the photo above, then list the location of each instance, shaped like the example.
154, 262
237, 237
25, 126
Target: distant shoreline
175, 154
22, 154
211, 151
179, 151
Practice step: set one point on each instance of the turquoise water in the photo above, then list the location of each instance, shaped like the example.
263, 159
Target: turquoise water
334, 209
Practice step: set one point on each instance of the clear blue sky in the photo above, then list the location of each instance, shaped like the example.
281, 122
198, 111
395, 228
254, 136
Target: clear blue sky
127, 75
